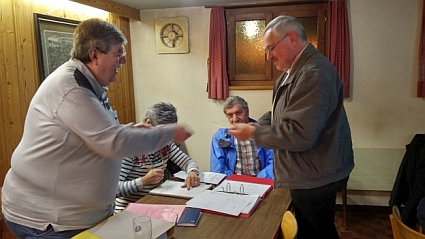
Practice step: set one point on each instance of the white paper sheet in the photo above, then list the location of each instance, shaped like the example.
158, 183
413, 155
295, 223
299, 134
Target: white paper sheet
227, 203
205, 177
173, 189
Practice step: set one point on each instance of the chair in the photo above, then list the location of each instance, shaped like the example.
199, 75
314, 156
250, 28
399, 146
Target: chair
289, 225
400, 230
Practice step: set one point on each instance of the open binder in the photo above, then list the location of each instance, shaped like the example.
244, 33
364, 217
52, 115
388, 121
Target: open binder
237, 195
250, 185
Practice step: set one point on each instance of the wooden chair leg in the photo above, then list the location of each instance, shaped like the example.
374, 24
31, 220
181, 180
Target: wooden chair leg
344, 206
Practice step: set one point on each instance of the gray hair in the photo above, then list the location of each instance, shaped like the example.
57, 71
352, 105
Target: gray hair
234, 100
95, 34
161, 113
282, 24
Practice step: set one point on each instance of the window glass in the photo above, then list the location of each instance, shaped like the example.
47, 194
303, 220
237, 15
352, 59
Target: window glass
248, 66
249, 47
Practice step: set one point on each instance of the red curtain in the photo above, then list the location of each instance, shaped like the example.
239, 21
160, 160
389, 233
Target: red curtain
339, 47
421, 73
218, 81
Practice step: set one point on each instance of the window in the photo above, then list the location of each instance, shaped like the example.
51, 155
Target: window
247, 63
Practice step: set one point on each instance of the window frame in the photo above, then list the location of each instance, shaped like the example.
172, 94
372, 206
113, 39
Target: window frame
243, 13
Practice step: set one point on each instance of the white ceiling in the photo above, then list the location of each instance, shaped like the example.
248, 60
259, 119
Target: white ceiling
158, 4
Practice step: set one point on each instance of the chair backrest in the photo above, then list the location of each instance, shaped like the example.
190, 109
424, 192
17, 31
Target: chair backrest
400, 230
289, 225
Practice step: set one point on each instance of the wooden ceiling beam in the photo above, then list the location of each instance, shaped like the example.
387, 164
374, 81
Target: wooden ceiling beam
113, 7
254, 3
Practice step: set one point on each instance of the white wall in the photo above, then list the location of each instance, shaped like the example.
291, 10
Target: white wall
182, 79
383, 111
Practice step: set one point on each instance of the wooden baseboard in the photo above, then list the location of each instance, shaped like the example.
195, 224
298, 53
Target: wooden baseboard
368, 192
365, 208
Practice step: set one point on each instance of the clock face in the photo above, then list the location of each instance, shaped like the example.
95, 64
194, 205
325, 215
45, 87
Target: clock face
172, 35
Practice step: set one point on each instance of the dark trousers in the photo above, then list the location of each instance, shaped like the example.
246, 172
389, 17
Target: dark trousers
315, 210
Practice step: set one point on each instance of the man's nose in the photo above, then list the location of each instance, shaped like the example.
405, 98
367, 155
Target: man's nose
269, 55
123, 59
234, 118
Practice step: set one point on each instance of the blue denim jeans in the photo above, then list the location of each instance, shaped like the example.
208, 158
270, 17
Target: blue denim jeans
23, 232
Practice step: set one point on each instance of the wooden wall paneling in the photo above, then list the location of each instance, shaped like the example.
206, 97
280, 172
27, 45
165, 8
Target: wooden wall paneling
6, 233
26, 53
115, 87
113, 7
129, 107
5, 130
13, 94
66, 13
122, 90
4, 152
122, 80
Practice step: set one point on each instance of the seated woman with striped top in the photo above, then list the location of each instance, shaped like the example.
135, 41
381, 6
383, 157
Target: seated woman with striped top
142, 173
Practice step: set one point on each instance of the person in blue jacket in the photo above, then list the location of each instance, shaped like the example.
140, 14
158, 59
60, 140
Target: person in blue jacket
232, 156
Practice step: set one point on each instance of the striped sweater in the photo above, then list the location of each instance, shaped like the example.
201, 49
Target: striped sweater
130, 187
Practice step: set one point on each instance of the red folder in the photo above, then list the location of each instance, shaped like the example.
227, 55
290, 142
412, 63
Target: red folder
243, 215
250, 179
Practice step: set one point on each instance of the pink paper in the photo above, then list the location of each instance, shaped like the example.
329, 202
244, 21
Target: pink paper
169, 213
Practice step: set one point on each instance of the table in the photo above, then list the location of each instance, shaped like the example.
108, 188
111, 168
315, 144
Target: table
264, 222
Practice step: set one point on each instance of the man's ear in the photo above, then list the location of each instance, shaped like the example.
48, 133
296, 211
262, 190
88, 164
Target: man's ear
148, 121
293, 37
93, 55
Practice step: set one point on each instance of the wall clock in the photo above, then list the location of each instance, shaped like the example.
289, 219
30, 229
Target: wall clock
172, 35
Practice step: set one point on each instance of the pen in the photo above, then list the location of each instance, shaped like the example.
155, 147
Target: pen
220, 125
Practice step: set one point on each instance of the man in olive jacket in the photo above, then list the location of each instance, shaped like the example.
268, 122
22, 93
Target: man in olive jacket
308, 130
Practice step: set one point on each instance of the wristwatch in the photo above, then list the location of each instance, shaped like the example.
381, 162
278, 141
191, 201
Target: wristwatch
194, 170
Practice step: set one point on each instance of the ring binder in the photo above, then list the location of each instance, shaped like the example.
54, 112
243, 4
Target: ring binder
229, 189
